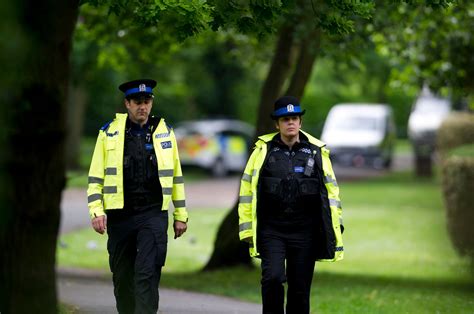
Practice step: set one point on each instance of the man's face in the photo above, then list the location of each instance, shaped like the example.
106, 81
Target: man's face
139, 109
289, 126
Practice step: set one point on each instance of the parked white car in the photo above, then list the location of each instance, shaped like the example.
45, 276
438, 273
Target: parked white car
360, 134
428, 112
218, 145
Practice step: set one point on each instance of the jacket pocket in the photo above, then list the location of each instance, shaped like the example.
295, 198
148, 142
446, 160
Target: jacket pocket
308, 186
270, 185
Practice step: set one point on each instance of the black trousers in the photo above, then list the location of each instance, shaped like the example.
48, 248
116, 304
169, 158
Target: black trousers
137, 248
295, 247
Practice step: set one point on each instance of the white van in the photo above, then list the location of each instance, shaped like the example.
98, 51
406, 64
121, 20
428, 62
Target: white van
360, 134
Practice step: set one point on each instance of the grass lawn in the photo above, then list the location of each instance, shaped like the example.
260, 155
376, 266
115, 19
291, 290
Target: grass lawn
398, 257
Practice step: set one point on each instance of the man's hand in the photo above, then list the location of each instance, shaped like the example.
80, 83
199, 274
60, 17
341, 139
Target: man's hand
99, 224
179, 228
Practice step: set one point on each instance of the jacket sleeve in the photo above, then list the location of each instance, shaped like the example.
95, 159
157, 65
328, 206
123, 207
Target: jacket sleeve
96, 178
246, 200
332, 186
178, 195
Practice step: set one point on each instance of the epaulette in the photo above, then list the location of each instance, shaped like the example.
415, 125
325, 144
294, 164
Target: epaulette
106, 126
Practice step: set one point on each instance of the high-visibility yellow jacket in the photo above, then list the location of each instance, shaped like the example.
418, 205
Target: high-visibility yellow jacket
105, 189
329, 245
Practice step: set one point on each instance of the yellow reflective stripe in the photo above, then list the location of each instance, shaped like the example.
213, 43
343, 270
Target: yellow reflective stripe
167, 191
333, 202
165, 173
179, 203
95, 180
111, 171
330, 179
110, 189
246, 177
245, 199
245, 226
177, 180
94, 197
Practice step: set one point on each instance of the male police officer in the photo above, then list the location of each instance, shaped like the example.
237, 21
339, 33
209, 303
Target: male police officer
289, 188
134, 174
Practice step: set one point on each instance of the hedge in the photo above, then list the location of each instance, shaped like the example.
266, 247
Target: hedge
456, 147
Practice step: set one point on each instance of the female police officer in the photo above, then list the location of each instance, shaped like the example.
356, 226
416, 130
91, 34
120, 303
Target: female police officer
289, 209
135, 173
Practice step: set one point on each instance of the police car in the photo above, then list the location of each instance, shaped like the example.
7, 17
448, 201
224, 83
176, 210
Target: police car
218, 145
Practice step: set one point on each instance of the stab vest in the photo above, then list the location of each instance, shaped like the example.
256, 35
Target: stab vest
142, 188
288, 193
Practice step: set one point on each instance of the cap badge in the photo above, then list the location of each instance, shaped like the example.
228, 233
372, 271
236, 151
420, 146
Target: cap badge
142, 87
290, 108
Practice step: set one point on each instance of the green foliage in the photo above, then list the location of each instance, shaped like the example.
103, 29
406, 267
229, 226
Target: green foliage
201, 76
429, 42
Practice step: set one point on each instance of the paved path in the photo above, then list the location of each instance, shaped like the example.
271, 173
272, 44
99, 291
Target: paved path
90, 295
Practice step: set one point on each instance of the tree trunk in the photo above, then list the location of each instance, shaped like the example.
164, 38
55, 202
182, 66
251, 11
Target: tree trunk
76, 108
277, 76
423, 165
309, 49
228, 250
34, 166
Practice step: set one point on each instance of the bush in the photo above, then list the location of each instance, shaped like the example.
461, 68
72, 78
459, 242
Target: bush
458, 190
456, 147
457, 130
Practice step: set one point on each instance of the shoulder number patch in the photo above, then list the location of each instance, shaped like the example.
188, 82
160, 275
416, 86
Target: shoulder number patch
166, 144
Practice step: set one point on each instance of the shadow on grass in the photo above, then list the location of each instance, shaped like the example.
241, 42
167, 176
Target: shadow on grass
371, 281
244, 283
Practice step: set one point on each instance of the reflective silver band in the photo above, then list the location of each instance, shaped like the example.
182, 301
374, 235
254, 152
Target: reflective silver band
251, 245
245, 199
167, 191
111, 171
179, 203
341, 222
165, 173
94, 197
254, 172
246, 177
96, 180
110, 189
333, 202
330, 179
245, 226
177, 180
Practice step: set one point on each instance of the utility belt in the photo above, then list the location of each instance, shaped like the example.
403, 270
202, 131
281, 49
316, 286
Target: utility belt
141, 201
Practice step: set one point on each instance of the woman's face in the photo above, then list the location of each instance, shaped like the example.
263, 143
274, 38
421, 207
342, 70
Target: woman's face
289, 126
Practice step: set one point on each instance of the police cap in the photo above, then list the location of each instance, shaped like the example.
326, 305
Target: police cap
287, 106
138, 89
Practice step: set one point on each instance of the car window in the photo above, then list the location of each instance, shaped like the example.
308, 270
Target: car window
432, 105
355, 123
